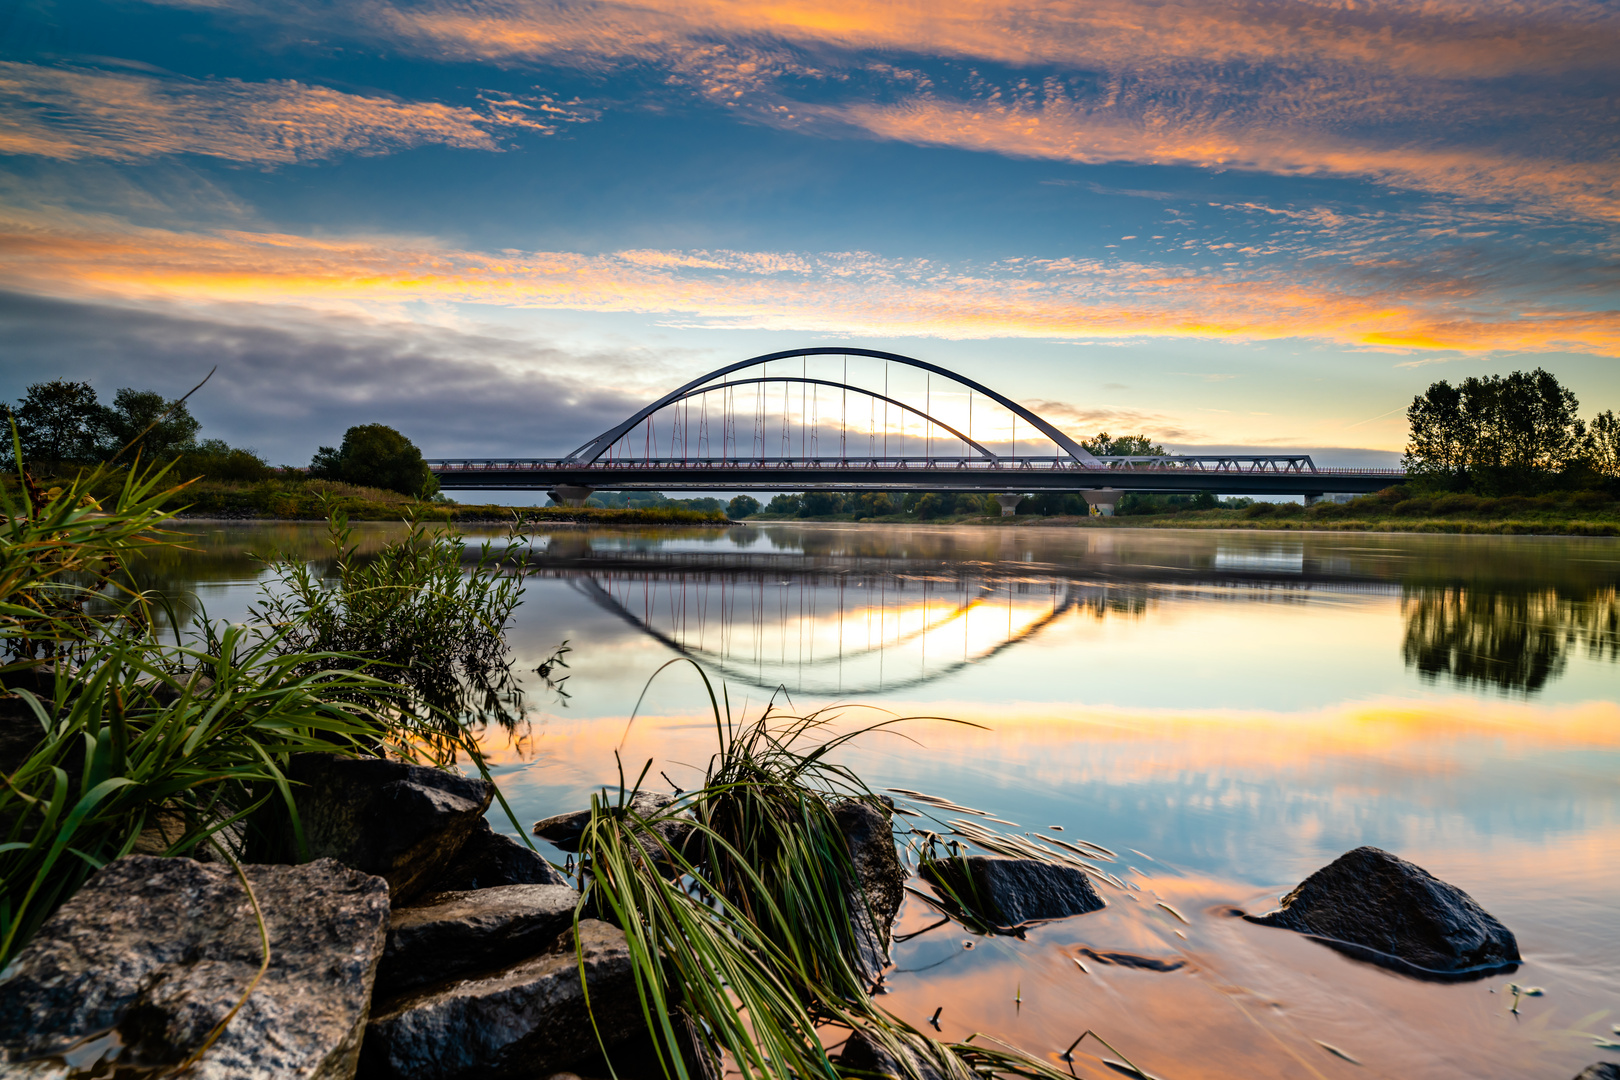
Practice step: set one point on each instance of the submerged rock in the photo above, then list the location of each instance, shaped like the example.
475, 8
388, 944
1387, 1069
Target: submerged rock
462, 933
1009, 892
488, 859
528, 1019
668, 834
151, 954
1377, 907
402, 822
866, 1054
882, 880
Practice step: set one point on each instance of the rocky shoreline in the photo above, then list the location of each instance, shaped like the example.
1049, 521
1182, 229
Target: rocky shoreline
418, 944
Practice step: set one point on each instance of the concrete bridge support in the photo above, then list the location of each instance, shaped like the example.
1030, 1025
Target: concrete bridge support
570, 494
1009, 504
1103, 499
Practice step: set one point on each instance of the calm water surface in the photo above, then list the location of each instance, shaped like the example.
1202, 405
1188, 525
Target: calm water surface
1228, 711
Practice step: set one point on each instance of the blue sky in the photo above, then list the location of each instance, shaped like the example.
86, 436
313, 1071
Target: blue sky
501, 226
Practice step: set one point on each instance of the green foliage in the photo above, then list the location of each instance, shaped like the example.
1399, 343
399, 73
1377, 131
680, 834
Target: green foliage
414, 612
60, 421
820, 503
742, 506
1498, 433
375, 455
1103, 445
147, 423
748, 929
785, 505
635, 500
215, 459
871, 504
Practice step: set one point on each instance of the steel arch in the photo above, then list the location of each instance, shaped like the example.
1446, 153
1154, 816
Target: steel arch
985, 453
598, 446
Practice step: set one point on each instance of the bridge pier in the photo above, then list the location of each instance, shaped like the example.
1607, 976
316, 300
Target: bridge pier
1312, 500
571, 494
1009, 504
1103, 500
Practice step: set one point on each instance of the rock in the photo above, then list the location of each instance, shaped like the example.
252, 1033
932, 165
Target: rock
525, 1020
488, 859
1133, 960
1010, 892
462, 933
402, 822
864, 1053
883, 881
1380, 908
1603, 1070
669, 833
151, 954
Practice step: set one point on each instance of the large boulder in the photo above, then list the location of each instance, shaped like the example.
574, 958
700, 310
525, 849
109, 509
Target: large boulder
526, 1020
1375, 906
138, 968
882, 880
488, 859
1010, 892
455, 934
405, 823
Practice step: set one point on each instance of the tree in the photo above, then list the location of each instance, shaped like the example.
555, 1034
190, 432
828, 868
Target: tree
375, 455
158, 428
1499, 431
742, 506
870, 504
784, 504
1103, 445
59, 421
820, 503
1602, 444
218, 460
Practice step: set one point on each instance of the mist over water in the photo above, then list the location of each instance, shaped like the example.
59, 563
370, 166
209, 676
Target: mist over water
1228, 711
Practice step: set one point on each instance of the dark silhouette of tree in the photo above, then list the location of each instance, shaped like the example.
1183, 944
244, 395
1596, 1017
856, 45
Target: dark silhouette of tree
742, 506
1104, 445
1498, 432
375, 455
147, 423
60, 421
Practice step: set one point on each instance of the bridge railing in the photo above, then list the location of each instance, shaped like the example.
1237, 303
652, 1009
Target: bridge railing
1226, 464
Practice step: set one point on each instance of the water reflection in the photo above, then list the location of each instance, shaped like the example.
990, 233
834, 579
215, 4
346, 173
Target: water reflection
1511, 640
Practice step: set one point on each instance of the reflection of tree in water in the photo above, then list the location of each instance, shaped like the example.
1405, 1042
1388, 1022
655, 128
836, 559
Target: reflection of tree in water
1511, 640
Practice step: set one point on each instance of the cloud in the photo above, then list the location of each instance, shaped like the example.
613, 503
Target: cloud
289, 379
68, 113
1406, 307
1507, 102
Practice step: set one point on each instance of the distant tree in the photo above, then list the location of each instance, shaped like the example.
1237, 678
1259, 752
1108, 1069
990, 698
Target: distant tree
59, 421
375, 455
820, 503
215, 459
1601, 444
929, 505
742, 506
784, 504
1104, 445
148, 423
1501, 431
871, 504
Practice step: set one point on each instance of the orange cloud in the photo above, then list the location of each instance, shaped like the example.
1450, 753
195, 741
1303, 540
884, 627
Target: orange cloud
69, 113
848, 292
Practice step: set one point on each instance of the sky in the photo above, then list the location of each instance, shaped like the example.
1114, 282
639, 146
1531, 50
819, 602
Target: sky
503, 225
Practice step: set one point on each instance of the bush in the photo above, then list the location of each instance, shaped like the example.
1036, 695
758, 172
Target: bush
375, 455
213, 459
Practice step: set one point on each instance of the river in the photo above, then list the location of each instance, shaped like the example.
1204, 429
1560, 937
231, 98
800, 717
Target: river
1228, 711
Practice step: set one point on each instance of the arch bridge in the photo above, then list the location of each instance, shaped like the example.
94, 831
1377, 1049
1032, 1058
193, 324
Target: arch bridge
867, 420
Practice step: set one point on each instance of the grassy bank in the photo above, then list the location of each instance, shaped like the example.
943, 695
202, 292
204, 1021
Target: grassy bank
1583, 513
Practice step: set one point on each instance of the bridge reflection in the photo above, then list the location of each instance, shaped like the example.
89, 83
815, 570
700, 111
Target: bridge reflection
839, 634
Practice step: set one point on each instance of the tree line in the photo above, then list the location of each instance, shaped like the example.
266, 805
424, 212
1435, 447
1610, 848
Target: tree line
61, 423
1507, 434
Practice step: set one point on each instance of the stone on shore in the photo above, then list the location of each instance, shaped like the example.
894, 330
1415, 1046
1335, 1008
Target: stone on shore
668, 834
452, 935
488, 859
1011, 892
1377, 907
863, 1053
1602, 1070
882, 880
151, 954
405, 823
526, 1020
